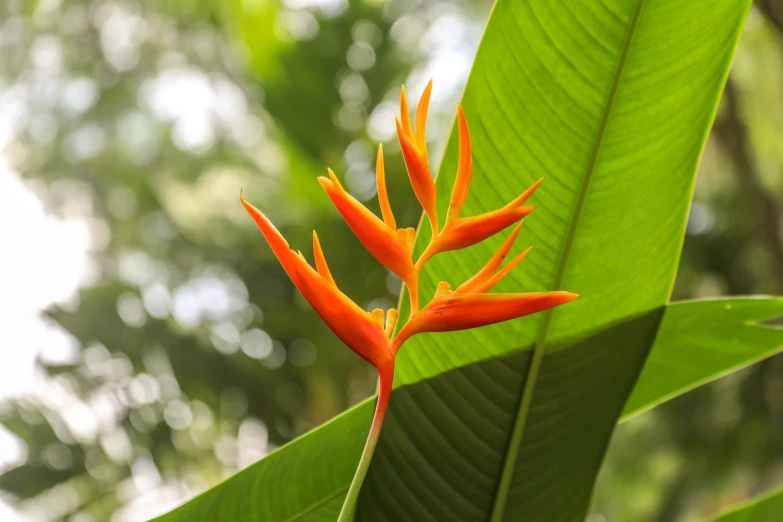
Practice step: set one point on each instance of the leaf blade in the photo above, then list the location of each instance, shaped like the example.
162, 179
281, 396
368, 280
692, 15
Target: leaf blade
766, 508
699, 342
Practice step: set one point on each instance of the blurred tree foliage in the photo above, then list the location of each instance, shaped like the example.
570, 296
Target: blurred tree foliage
197, 357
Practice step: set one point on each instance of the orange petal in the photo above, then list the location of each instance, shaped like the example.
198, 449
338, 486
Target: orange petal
404, 113
273, 237
421, 120
381, 241
460, 311
466, 232
526, 194
352, 325
486, 287
320, 260
464, 169
383, 197
492, 265
420, 176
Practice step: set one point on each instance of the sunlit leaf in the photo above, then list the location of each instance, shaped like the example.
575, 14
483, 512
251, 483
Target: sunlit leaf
612, 103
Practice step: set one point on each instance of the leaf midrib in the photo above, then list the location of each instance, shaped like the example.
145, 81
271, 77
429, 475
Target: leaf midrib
317, 505
515, 441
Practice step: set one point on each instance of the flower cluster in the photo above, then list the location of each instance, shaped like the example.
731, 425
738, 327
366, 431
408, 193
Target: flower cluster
369, 334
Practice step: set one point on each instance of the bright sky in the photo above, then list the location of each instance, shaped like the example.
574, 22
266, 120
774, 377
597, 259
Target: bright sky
42, 261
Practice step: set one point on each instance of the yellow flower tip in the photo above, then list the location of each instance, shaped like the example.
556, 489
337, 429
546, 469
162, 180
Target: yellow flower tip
377, 316
443, 289
391, 321
411, 236
406, 235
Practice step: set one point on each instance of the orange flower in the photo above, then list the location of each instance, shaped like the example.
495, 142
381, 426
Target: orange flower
460, 232
361, 331
414, 151
469, 306
388, 245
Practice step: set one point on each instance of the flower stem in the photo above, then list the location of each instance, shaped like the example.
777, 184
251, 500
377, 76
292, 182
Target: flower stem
385, 378
413, 290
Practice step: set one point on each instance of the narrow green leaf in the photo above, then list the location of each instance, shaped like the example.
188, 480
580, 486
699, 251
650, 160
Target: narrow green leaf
701, 341
767, 508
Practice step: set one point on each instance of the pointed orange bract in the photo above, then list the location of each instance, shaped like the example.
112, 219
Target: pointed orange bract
464, 168
391, 247
455, 311
320, 260
355, 327
383, 197
414, 152
471, 307
461, 232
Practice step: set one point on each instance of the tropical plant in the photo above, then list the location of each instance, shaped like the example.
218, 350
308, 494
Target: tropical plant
612, 102
369, 334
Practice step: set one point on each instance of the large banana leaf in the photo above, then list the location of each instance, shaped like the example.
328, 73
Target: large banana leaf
767, 508
611, 101
308, 478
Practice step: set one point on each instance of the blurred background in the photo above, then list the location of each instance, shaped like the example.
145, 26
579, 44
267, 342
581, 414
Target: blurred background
151, 346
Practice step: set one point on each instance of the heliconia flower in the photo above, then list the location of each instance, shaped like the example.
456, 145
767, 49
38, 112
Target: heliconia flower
361, 331
469, 306
388, 245
460, 232
414, 152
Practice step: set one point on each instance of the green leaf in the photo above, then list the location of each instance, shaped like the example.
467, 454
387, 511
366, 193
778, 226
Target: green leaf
700, 341
306, 480
767, 508
611, 101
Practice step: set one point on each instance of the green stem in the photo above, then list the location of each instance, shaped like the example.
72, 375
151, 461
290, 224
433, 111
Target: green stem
385, 376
